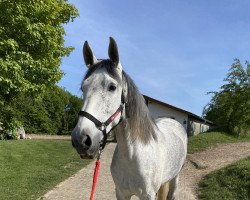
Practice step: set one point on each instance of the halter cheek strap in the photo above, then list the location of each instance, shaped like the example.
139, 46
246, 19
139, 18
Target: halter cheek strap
102, 126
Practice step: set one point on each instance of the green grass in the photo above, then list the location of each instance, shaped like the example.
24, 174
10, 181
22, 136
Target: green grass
204, 140
29, 168
229, 183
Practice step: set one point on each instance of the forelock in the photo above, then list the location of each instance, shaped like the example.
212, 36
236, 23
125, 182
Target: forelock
108, 65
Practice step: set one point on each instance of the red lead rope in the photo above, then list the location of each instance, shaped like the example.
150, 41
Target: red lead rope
97, 166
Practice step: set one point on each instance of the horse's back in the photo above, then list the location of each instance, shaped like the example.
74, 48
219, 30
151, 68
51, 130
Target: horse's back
171, 126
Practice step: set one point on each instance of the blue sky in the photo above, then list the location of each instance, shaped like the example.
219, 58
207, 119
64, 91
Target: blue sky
175, 51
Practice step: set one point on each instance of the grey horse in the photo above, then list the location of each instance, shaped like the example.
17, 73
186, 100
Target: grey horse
149, 153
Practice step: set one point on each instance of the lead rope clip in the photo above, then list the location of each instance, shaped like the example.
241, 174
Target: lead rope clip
99, 155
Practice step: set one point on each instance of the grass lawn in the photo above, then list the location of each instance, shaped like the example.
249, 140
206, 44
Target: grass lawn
229, 183
204, 140
29, 168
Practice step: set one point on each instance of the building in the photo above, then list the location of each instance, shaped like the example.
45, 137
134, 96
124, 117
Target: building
193, 124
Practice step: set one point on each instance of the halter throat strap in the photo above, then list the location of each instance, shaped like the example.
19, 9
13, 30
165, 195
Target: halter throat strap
102, 126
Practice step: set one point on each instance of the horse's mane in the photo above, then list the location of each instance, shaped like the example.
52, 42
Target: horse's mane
140, 122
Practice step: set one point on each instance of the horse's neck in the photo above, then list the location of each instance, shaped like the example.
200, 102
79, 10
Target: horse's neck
125, 145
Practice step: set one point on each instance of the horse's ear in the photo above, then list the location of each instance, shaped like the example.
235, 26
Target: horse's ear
88, 55
113, 51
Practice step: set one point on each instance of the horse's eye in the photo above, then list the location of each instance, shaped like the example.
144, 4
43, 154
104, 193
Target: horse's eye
112, 88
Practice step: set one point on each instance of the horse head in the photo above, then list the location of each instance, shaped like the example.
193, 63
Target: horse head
103, 97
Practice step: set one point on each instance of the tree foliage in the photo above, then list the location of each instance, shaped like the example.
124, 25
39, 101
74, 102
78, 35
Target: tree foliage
229, 108
56, 112
31, 48
32, 44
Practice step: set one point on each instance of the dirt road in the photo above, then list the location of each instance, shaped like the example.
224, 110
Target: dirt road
78, 186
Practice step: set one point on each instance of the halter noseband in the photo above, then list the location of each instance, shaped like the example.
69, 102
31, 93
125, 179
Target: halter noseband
102, 126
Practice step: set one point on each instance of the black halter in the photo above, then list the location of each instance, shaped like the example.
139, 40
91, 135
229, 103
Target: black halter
102, 126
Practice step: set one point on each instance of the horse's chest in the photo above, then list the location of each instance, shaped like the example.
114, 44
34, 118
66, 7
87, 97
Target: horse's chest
127, 179
134, 176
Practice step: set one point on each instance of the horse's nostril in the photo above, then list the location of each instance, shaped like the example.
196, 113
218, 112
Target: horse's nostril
88, 141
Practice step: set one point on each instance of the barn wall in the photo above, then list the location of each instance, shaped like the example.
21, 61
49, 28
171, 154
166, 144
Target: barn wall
158, 111
195, 127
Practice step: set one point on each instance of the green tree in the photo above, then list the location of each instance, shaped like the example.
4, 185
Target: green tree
31, 48
56, 112
71, 114
54, 101
230, 107
31, 113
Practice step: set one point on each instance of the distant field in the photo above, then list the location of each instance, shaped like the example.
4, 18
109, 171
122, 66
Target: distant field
205, 140
31, 167
229, 183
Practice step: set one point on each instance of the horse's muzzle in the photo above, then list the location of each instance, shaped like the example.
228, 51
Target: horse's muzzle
82, 143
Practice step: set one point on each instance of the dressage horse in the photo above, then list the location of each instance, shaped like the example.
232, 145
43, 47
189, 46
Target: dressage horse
149, 153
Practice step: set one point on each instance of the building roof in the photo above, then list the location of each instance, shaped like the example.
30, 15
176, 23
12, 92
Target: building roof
190, 115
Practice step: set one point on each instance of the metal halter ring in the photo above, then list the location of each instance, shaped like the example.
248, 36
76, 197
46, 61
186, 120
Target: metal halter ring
102, 127
99, 153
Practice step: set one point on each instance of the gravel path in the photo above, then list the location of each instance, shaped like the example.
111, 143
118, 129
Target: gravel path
47, 137
197, 166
